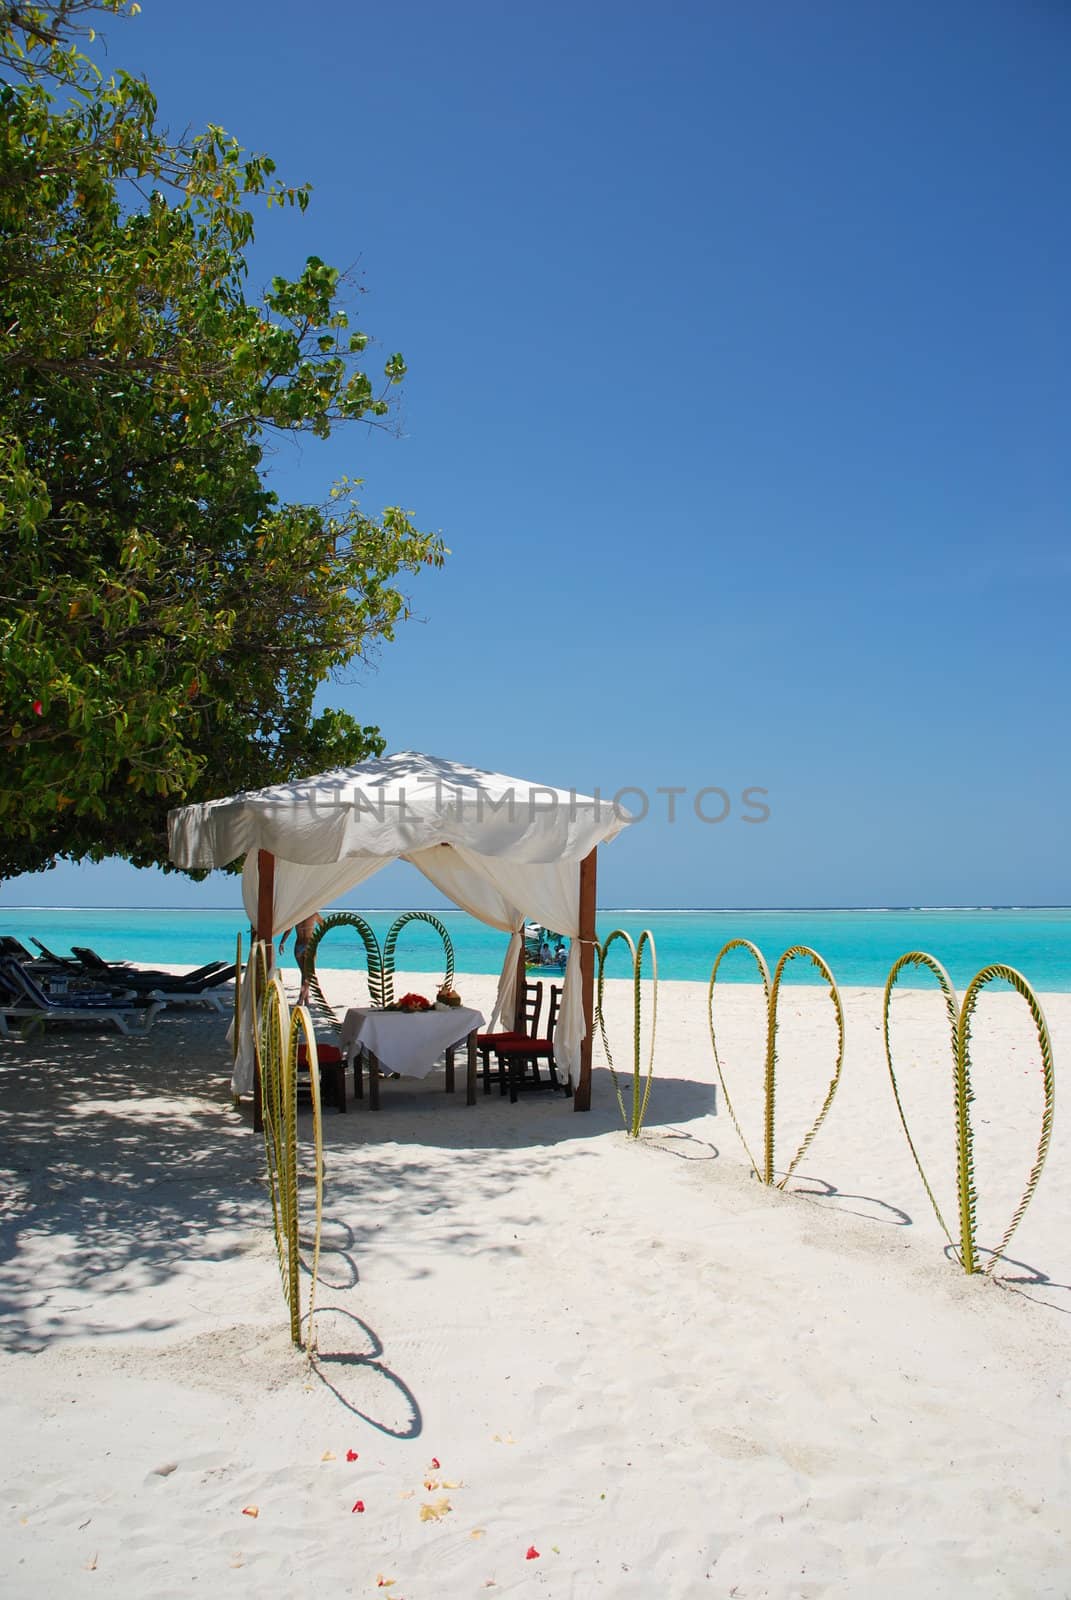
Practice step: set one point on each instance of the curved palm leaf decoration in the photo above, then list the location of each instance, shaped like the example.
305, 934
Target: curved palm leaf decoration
380, 962
771, 1058
771, 994
392, 939
960, 1019
633, 1124
916, 959
376, 976
279, 1036
764, 974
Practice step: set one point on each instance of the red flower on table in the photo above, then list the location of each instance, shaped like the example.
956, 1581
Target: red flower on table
413, 1002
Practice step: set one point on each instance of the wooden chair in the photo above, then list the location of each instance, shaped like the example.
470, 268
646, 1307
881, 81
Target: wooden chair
493, 1043
332, 1073
515, 1057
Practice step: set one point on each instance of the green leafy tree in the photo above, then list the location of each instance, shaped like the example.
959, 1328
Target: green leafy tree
165, 620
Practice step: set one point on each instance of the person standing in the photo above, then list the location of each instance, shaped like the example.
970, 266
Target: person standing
303, 932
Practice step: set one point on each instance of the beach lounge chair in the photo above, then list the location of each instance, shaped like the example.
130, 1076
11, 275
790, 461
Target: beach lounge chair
50, 955
198, 987
213, 973
213, 978
52, 982
182, 990
23, 999
10, 946
189, 988
51, 960
516, 1056
491, 1043
200, 995
45, 960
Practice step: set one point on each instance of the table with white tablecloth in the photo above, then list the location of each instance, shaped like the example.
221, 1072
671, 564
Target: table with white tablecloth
409, 1043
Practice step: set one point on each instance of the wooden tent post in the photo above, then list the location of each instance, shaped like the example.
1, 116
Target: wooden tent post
522, 979
265, 895
264, 930
586, 934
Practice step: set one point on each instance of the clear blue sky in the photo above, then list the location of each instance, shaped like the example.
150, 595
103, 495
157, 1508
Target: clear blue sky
740, 370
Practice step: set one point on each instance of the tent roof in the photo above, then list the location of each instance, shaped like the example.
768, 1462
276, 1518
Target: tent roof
394, 806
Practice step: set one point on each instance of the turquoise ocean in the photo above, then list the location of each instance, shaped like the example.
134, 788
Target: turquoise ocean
859, 945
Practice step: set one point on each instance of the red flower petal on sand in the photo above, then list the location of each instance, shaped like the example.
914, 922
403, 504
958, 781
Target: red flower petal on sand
351, 1455
531, 1554
38, 709
358, 1505
435, 1462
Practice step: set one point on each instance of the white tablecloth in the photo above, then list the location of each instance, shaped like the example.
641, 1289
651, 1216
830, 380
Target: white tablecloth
409, 1042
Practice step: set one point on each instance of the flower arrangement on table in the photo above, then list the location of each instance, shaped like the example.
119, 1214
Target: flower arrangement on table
411, 1002
447, 996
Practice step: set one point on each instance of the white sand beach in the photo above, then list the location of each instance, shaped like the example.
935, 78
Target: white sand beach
566, 1363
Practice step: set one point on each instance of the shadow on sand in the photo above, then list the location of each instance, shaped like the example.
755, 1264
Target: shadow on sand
124, 1166
359, 1379
116, 1171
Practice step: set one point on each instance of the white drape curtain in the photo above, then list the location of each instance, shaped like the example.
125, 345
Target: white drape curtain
301, 890
242, 1077
549, 892
462, 881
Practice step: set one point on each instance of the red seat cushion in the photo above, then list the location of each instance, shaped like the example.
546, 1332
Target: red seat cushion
326, 1054
496, 1041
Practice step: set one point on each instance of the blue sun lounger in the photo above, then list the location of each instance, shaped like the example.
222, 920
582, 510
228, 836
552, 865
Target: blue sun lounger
23, 999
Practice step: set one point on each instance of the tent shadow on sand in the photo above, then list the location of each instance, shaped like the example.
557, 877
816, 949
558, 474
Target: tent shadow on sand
361, 1155
423, 1110
469, 1205
128, 1171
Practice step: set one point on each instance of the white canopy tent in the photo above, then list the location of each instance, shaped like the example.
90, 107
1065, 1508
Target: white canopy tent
501, 848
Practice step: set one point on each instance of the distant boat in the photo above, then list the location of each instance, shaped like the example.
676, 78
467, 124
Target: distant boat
544, 948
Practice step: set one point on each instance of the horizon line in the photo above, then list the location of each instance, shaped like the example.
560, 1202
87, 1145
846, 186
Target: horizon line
632, 910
